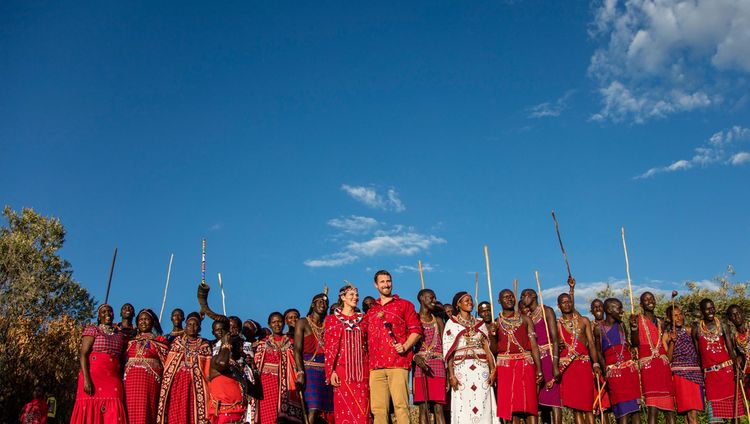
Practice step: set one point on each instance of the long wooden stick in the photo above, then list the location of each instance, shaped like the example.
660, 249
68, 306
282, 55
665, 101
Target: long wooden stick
565, 256
515, 294
489, 281
111, 271
627, 269
223, 302
674, 325
599, 396
544, 311
421, 274
164, 300
476, 292
744, 395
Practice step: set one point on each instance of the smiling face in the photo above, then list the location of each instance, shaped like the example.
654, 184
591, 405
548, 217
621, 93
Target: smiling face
485, 312
219, 329
106, 315
276, 324
648, 302
614, 310
192, 327
145, 322
679, 318
428, 301
234, 327
384, 285
448, 309
597, 309
350, 298
507, 300
291, 318
320, 305
127, 311
466, 304
708, 311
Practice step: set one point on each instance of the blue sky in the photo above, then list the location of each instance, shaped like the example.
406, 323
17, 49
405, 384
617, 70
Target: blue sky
312, 143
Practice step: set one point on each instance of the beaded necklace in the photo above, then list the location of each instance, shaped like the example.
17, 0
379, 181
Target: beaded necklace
107, 329
712, 337
509, 325
317, 331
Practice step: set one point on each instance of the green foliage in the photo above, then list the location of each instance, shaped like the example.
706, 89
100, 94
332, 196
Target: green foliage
42, 309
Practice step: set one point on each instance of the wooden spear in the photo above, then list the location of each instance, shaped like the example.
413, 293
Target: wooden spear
109, 282
565, 256
164, 300
203, 262
544, 311
421, 274
674, 325
489, 281
223, 302
627, 269
515, 294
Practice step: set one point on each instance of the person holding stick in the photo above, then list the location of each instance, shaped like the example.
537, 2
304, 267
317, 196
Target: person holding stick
577, 358
621, 370
471, 367
602, 402
686, 370
226, 382
519, 370
485, 313
549, 395
718, 360
429, 382
646, 330
736, 316
393, 328
309, 353
347, 361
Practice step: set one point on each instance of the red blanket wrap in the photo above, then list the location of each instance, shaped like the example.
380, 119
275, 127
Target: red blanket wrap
656, 373
577, 387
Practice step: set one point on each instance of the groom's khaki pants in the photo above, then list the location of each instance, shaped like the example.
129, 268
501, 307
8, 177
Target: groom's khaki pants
387, 384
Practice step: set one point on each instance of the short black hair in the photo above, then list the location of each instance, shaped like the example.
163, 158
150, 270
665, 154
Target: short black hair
275, 313
610, 301
290, 310
236, 319
424, 292
705, 301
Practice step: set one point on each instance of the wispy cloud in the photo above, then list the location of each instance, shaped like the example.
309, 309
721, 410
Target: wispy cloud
215, 227
719, 150
550, 109
354, 224
414, 268
659, 58
334, 260
587, 291
372, 198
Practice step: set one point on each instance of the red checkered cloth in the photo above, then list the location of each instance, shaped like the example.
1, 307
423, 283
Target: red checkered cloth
112, 344
142, 379
397, 320
181, 400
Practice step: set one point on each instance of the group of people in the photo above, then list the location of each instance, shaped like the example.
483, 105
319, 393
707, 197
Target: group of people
339, 364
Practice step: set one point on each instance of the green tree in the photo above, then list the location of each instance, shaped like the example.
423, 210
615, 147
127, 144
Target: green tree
42, 310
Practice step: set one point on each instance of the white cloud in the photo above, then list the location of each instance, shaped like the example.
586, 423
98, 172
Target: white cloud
719, 150
552, 109
215, 227
397, 241
409, 268
354, 224
370, 197
585, 292
334, 260
739, 158
660, 57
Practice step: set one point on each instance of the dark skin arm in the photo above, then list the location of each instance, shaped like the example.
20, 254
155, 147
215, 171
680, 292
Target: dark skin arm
598, 346
492, 334
452, 380
634, 330
593, 351
555, 352
220, 361
87, 345
534, 350
694, 333
301, 330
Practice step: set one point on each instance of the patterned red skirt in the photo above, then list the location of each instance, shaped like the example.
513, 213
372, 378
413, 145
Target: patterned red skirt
181, 398
106, 405
142, 394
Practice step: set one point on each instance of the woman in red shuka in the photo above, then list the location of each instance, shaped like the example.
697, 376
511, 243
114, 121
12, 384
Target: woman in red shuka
347, 365
100, 395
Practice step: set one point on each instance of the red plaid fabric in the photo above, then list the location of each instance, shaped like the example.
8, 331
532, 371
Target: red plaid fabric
181, 399
399, 314
268, 408
112, 344
142, 380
